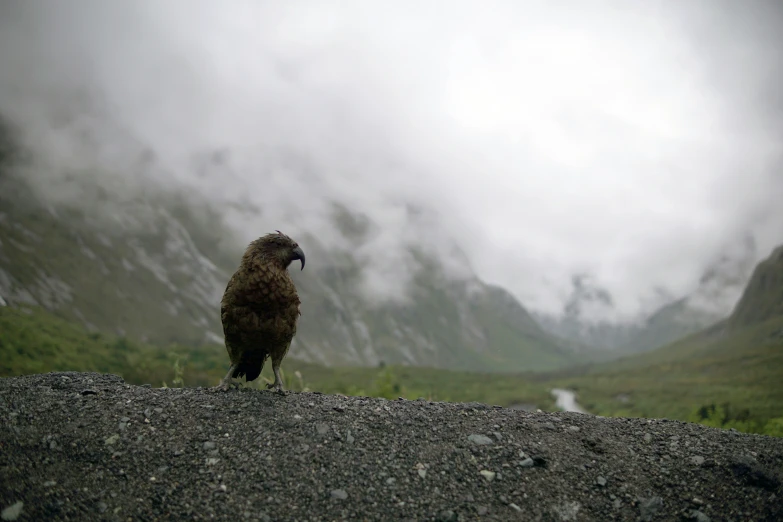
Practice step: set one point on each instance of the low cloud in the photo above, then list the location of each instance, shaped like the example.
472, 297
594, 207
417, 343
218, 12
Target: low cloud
546, 140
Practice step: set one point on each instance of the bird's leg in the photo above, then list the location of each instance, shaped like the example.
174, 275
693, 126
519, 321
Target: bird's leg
278, 384
226, 382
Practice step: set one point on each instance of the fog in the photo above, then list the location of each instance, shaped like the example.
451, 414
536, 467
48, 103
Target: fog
636, 142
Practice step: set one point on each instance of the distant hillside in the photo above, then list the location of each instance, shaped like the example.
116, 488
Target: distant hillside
712, 300
153, 267
733, 367
669, 323
763, 296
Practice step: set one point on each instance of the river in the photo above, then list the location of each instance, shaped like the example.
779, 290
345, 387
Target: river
566, 400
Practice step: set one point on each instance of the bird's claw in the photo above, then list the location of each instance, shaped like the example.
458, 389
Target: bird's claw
225, 386
276, 387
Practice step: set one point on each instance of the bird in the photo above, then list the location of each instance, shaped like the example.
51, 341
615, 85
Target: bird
260, 309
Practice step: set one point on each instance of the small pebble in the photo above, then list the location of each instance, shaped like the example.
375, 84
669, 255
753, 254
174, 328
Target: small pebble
489, 475
339, 494
447, 516
649, 507
481, 440
699, 516
13, 511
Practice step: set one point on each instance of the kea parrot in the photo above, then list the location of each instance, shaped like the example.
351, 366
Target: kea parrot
260, 309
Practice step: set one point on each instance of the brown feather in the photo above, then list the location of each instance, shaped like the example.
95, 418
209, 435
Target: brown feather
260, 307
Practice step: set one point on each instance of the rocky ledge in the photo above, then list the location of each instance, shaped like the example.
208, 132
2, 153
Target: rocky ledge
87, 446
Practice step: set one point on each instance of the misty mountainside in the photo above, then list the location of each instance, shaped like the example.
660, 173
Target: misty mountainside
763, 296
154, 268
667, 324
711, 301
586, 335
756, 323
728, 372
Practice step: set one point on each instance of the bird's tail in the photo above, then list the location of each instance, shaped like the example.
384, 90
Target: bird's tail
250, 369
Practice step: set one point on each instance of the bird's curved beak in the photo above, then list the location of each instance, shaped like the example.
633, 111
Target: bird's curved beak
299, 254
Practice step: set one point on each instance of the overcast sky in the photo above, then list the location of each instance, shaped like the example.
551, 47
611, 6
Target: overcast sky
634, 141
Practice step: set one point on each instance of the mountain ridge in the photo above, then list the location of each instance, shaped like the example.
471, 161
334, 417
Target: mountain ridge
154, 266
712, 300
762, 298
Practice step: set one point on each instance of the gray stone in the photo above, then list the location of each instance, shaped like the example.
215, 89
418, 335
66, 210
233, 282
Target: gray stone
479, 439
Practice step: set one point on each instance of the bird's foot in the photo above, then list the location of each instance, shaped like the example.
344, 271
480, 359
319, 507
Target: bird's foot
276, 387
225, 386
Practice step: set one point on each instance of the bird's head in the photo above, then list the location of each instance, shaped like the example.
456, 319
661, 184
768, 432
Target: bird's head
282, 248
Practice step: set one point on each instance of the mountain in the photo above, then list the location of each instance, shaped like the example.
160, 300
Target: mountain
580, 322
711, 301
153, 267
729, 370
763, 296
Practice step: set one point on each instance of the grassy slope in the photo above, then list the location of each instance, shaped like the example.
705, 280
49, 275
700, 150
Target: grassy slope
730, 373
741, 369
35, 341
669, 324
763, 296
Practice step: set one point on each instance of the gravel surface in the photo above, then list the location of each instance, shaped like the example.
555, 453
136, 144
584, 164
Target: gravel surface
86, 446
